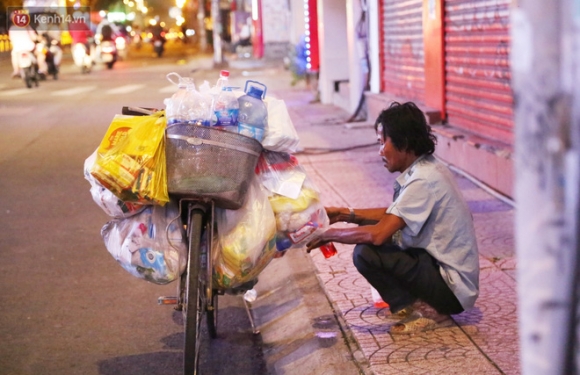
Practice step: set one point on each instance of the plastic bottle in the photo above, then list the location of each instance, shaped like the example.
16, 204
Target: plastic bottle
253, 114
226, 110
377, 299
283, 243
222, 80
328, 250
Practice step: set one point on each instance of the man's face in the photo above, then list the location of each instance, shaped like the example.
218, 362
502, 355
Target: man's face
394, 159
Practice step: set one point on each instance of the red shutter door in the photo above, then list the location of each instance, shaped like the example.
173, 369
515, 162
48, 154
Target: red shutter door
477, 72
403, 59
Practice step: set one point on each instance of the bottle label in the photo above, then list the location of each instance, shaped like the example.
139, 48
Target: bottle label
227, 117
302, 233
251, 131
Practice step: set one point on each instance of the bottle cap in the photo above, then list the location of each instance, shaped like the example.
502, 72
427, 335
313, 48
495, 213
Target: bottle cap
255, 92
224, 73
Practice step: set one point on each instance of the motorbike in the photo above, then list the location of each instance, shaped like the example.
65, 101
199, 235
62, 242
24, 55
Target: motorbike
82, 57
28, 68
107, 52
53, 54
121, 44
158, 46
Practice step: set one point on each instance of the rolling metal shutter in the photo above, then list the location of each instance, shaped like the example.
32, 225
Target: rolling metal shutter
402, 50
478, 93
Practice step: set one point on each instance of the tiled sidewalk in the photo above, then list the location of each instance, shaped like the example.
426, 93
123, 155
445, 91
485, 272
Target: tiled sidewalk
483, 340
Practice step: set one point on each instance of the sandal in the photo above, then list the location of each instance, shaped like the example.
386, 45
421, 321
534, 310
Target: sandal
404, 313
413, 324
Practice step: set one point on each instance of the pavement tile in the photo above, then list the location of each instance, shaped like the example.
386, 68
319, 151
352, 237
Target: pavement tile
483, 340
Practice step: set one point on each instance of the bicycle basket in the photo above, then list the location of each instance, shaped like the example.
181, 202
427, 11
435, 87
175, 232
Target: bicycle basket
204, 162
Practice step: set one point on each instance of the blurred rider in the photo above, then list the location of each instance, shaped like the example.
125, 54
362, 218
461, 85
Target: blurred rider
81, 33
25, 39
106, 31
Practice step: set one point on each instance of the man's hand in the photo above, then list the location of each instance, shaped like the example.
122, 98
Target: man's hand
315, 244
334, 214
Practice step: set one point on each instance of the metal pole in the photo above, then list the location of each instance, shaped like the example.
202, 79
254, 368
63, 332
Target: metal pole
201, 25
217, 32
546, 189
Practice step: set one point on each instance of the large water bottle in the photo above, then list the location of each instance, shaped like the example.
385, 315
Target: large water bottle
253, 114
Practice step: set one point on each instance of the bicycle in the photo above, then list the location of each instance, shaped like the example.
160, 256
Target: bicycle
207, 168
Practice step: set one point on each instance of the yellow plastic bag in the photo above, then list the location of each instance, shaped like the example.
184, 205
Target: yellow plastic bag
131, 159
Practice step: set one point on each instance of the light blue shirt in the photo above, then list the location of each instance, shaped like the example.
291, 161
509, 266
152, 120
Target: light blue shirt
438, 220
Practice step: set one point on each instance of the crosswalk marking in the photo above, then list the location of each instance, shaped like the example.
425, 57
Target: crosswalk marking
168, 89
16, 92
125, 89
73, 91
171, 89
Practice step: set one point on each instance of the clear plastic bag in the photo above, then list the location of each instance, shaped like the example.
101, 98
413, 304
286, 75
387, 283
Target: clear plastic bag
280, 134
300, 216
189, 104
246, 239
278, 173
150, 245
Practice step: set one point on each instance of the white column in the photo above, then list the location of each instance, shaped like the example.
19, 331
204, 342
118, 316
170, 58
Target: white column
374, 45
355, 53
544, 66
333, 46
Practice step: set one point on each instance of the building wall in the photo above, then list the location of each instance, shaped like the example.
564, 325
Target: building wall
297, 24
276, 27
333, 47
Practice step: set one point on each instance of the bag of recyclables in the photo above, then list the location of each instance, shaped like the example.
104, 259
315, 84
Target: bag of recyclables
150, 245
131, 159
105, 199
300, 215
246, 239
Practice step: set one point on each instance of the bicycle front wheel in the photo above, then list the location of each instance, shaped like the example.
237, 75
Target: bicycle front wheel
193, 295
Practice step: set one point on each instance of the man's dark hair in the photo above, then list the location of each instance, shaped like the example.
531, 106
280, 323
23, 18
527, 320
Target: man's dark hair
407, 127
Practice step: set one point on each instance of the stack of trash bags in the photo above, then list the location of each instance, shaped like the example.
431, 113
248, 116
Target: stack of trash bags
146, 236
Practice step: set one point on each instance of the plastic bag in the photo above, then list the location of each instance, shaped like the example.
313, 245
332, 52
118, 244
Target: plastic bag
280, 134
301, 218
277, 172
131, 159
189, 104
105, 199
246, 240
149, 245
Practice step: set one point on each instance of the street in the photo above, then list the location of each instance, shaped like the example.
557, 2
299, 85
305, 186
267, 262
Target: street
67, 306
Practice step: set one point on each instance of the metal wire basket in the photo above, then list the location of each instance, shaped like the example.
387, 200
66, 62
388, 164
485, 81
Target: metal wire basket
204, 162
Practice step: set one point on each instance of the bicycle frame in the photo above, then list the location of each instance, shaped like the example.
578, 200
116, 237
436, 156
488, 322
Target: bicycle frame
209, 229
195, 292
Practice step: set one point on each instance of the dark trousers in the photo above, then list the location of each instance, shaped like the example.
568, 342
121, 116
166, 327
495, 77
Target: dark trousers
403, 276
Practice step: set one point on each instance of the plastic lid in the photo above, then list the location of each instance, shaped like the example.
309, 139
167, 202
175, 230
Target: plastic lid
224, 73
255, 92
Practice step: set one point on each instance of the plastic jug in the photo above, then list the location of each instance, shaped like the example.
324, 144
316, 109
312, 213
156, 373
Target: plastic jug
253, 114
